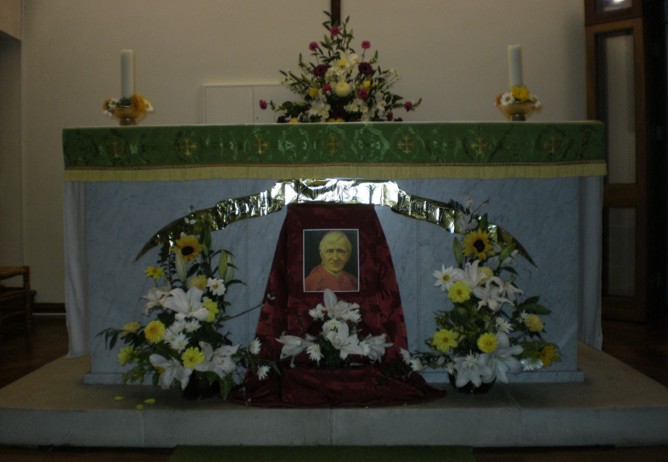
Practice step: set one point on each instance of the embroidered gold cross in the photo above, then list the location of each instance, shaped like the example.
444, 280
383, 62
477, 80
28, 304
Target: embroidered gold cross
333, 144
552, 144
406, 145
260, 144
116, 149
479, 146
187, 147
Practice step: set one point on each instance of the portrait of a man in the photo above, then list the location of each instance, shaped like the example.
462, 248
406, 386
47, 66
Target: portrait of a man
331, 260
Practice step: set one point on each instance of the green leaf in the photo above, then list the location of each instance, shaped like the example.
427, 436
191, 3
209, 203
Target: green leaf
457, 250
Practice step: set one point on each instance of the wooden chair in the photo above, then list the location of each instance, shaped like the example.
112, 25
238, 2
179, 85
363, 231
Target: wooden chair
16, 300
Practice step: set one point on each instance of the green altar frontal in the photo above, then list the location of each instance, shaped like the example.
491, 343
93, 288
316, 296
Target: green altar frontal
359, 150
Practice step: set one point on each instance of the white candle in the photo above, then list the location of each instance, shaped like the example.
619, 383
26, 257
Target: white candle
515, 65
127, 73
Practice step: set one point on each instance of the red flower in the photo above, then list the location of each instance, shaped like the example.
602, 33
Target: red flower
263, 104
334, 30
326, 88
365, 68
320, 70
408, 105
366, 44
313, 46
363, 94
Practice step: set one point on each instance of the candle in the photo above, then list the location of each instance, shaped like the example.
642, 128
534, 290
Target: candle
127, 73
515, 65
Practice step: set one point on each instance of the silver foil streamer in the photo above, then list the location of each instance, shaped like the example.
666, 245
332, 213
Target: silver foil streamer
450, 216
529, 365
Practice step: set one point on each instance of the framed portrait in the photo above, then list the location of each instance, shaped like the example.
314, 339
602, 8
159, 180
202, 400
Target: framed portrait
331, 260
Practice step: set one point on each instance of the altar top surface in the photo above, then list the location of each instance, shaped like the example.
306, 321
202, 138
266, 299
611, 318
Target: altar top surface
359, 150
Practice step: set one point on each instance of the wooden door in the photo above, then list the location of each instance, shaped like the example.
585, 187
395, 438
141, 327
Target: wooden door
626, 81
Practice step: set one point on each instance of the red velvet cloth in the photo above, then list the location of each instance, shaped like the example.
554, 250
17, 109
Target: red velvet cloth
286, 307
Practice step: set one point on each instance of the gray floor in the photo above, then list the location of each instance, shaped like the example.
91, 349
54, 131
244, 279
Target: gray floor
615, 405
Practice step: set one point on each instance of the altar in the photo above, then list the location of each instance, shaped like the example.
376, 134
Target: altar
542, 182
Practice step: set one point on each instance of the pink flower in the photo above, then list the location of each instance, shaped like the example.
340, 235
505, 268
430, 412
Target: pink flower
313, 46
408, 105
263, 104
334, 30
326, 88
366, 44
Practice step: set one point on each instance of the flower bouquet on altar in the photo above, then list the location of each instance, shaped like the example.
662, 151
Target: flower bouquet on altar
183, 345
340, 85
488, 332
334, 341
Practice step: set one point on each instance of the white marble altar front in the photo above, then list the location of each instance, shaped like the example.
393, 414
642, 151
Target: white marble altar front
543, 215
556, 217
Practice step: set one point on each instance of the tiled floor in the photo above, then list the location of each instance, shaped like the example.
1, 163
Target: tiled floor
643, 346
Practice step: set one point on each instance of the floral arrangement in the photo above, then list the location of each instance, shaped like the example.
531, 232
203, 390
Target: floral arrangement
138, 103
488, 332
340, 85
183, 342
518, 94
335, 341
518, 103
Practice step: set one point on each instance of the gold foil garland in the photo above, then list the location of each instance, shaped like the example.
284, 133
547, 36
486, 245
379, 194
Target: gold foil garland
449, 216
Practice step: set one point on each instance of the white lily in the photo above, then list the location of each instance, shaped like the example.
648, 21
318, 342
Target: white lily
503, 360
340, 309
155, 298
472, 276
187, 304
219, 361
293, 345
374, 346
491, 295
171, 370
344, 342
471, 368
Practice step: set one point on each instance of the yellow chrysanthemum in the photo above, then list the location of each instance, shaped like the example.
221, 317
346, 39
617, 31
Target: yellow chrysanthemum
155, 331
367, 84
459, 292
533, 323
139, 104
487, 342
154, 272
520, 93
126, 355
547, 355
444, 339
477, 243
189, 247
131, 327
212, 307
487, 271
198, 281
192, 357
313, 92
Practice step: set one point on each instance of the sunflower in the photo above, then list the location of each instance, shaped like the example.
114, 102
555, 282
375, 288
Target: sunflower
189, 247
477, 243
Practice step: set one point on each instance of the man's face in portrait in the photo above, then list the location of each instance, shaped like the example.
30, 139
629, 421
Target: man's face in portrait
335, 251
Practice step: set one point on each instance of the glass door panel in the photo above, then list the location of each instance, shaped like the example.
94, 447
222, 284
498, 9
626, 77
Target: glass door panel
617, 84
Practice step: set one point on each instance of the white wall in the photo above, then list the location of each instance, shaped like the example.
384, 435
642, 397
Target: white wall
452, 53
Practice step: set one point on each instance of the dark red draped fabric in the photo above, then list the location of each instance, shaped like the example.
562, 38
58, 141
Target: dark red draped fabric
286, 307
